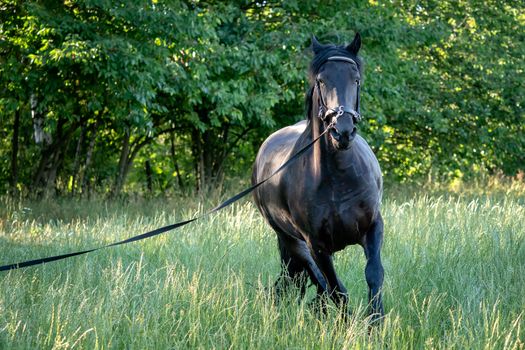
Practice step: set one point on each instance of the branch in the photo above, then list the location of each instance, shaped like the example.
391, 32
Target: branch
239, 137
232, 145
137, 144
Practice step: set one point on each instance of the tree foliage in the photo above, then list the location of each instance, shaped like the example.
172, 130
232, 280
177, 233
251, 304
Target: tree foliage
105, 95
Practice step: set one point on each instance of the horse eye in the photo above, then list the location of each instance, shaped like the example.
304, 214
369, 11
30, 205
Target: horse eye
358, 82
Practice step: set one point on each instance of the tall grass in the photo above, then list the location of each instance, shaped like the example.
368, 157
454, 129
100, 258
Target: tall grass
454, 265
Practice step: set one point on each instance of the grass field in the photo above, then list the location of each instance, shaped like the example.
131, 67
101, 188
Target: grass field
454, 277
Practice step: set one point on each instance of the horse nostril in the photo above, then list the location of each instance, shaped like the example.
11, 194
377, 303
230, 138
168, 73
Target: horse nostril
335, 134
354, 131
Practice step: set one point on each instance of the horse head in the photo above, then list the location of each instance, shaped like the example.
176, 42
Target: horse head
335, 74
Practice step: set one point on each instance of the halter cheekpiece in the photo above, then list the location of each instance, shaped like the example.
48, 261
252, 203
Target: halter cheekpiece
324, 111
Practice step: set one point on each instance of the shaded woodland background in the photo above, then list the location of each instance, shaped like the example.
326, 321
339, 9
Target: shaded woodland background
111, 97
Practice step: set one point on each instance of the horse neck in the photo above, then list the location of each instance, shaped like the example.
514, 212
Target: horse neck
315, 124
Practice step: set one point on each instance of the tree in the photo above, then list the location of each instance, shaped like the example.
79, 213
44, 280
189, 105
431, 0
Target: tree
92, 91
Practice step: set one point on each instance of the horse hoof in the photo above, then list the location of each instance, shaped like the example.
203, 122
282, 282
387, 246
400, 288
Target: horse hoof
318, 306
347, 314
375, 319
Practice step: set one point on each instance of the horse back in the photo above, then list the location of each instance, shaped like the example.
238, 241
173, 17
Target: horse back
275, 150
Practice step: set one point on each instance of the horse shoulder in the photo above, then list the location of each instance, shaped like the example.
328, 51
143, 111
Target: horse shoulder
271, 198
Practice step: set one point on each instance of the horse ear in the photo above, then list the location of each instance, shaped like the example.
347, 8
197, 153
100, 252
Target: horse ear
355, 45
316, 46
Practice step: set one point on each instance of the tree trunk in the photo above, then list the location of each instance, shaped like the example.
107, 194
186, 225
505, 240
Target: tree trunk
122, 164
220, 155
14, 153
50, 185
127, 156
56, 160
51, 158
149, 176
175, 164
196, 153
89, 156
209, 152
209, 148
76, 163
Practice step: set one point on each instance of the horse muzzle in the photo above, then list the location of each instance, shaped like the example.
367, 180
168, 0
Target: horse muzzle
343, 140
343, 133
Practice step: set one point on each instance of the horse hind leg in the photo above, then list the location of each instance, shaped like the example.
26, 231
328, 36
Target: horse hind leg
293, 274
296, 260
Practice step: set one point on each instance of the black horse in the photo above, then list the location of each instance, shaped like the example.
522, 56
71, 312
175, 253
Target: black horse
330, 197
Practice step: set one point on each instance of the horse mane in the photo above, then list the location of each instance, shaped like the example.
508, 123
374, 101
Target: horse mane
319, 59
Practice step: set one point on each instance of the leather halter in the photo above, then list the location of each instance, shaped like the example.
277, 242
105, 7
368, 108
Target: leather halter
325, 112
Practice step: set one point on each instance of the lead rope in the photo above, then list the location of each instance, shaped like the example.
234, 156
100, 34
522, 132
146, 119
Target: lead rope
158, 231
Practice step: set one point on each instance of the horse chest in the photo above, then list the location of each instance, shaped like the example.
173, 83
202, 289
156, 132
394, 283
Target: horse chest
341, 217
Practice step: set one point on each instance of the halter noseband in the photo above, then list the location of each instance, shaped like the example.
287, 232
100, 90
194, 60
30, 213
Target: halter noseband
324, 111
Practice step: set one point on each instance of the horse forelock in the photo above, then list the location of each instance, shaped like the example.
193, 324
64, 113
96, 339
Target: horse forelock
328, 51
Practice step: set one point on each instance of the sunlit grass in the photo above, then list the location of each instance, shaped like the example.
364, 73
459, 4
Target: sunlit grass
454, 264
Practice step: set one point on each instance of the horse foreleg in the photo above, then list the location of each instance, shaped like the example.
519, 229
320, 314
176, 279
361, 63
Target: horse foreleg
374, 269
336, 289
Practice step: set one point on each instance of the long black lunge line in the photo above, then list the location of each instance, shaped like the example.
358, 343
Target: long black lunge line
168, 227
